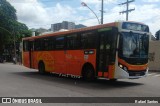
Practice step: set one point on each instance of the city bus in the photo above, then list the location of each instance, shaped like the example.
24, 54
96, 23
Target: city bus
117, 50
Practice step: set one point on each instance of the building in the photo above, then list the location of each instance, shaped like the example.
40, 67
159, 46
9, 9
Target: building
80, 26
154, 55
56, 27
68, 25
37, 32
63, 25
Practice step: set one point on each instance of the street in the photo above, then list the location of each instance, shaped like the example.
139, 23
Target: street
19, 81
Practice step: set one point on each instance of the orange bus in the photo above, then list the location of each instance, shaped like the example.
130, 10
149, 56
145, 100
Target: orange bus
117, 50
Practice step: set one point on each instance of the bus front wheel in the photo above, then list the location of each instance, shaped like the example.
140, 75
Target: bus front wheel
41, 68
88, 73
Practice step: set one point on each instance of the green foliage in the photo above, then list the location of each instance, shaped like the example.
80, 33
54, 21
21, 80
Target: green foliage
7, 11
10, 28
7, 15
21, 30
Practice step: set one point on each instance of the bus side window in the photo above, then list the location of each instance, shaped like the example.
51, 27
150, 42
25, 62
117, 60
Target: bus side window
60, 42
48, 43
42, 45
45, 43
38, 45
25, 46
51, 43
72, 42
88, 40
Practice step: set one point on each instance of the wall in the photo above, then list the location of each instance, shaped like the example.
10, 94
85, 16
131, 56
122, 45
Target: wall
154, 55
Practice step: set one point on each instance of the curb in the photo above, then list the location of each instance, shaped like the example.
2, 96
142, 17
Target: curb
154, 70
10, 63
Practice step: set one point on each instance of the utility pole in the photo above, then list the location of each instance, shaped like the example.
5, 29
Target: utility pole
102, 13
15, 55
127, 10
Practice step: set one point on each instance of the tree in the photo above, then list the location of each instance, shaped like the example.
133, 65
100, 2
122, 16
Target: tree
9, 26
157, 35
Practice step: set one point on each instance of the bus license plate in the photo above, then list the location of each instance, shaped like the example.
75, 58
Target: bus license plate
138, 74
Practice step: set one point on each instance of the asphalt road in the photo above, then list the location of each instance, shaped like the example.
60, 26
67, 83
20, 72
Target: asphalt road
19, 81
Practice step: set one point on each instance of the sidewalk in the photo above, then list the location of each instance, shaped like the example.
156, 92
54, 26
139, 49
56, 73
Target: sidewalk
11, 63
154, 71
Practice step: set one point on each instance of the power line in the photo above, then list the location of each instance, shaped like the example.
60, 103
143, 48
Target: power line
127, 10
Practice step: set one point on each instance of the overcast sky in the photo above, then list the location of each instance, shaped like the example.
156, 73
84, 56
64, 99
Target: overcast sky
43, 13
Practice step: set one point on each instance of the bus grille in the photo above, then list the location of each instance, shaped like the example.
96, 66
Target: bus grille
137, 73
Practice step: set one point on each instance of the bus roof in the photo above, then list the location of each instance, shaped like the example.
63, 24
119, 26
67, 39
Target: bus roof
113, 24
72, 31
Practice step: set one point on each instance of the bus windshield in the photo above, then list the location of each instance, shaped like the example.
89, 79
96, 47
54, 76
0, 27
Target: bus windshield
134, 45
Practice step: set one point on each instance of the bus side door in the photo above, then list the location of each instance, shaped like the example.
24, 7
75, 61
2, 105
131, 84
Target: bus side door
104, 49
107, 52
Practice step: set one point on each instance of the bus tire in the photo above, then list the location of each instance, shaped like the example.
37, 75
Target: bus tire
88, 73
112, 80
41, 68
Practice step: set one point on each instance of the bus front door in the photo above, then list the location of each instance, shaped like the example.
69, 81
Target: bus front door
103, 55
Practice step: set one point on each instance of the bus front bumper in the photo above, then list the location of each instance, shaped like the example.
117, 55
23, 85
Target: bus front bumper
122, 74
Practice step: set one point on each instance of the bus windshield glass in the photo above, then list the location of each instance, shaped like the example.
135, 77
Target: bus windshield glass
134, 45
135, 27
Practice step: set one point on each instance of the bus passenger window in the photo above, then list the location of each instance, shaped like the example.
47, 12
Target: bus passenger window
72, 42
88, 40
60, 42
51, 44
25, 46
46, 42
38, 45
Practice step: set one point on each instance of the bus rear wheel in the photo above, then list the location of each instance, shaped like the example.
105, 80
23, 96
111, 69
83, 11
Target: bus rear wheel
88, 73
41, 68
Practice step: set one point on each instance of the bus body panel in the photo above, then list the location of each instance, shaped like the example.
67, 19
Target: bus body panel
75, 59
132, 67
46, 57
59, 62
111, 71
26, 61
64, 62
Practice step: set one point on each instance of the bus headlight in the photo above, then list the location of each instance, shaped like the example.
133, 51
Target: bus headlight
121, 66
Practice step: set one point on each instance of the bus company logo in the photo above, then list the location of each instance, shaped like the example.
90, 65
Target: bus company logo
6, 100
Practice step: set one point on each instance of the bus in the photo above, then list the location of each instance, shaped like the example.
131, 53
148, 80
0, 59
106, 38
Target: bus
117, 50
